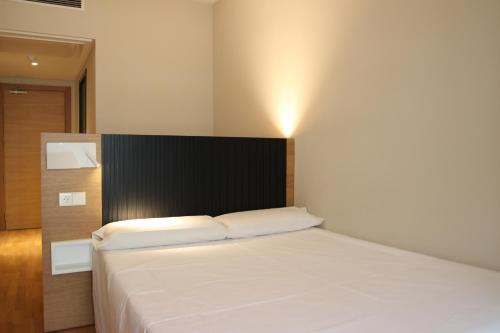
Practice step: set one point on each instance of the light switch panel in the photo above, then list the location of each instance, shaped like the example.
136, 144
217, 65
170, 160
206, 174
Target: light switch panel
72, 199
65, 199
79, 199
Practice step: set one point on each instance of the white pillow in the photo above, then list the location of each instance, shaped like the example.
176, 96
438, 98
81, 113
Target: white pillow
268, 221
158, 232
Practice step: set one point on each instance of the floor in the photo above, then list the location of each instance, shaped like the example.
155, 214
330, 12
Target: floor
21, 283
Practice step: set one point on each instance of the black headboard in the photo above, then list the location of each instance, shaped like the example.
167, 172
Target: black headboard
161, 176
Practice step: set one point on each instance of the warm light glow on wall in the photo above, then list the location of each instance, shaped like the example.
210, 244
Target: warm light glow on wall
287, 61
283, 94
288, 116
286, 109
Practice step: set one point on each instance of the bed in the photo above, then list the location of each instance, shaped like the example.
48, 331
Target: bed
288, 277
305, 281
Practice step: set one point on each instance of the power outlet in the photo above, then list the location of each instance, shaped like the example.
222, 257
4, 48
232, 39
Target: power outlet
66, 199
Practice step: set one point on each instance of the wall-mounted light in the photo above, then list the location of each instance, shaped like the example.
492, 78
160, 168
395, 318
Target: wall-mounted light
71, 155
33, 60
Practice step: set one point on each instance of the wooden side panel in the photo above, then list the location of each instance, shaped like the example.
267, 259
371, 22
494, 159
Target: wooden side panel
89, 69
290, 172
2, 185
68, 298
91, 116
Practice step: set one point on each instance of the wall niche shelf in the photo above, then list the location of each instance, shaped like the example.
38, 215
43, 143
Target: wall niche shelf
71, 256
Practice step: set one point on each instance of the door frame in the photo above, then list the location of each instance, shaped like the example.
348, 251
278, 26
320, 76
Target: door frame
67, 127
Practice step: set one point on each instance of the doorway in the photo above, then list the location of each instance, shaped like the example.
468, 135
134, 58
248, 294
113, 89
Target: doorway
28, 111
39, 92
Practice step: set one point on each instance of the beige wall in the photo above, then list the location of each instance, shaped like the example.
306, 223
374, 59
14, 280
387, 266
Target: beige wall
153, 61
395, 106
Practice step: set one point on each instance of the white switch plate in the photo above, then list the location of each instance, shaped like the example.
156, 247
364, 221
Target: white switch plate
79, 199
72, 199
65, 199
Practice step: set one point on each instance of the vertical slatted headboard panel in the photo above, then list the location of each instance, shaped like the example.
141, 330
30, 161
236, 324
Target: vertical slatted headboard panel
161, 176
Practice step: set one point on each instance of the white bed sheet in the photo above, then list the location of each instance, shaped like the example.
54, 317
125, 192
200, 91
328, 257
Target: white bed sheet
306, 281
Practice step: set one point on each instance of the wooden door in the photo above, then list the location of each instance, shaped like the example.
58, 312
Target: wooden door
27, 112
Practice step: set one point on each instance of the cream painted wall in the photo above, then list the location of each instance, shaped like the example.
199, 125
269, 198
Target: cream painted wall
153, 61
395, 106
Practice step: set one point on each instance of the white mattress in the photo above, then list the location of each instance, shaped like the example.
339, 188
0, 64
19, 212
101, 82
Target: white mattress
306, 281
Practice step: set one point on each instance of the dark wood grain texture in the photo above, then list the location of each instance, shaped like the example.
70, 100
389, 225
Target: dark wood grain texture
160, 176
3, 225
290, 172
